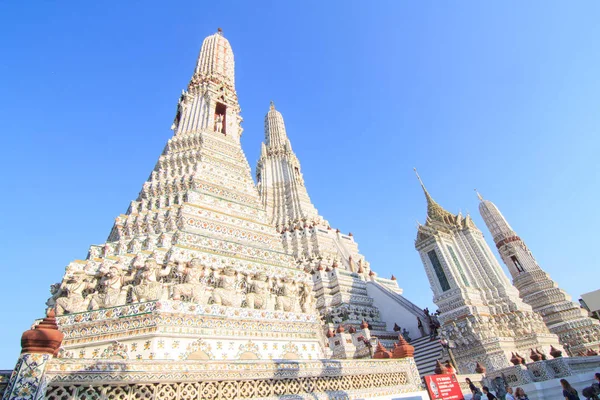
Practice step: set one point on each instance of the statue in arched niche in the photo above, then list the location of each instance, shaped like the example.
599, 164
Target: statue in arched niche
219, 120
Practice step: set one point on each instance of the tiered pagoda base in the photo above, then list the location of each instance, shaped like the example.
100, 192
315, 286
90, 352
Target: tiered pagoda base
577, 332
495, 352
177, 330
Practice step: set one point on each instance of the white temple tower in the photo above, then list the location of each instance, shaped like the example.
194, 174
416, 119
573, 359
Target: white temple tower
347, 290
194, 260
279, 178
193, 294
481, 312
576, 331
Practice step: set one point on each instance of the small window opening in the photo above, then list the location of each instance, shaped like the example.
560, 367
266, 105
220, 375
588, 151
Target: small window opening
221, 118
517, 264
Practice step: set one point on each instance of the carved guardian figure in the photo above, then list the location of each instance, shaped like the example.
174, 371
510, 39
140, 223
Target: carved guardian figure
259, 294
112, 289
73, 287
225, 293
149, 287
192, 287
288, 299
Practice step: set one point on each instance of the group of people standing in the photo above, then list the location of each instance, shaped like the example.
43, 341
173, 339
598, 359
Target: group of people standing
434, 323
568, 392
484, 393
590, 392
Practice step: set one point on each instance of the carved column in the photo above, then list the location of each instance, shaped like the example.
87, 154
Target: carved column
38, 346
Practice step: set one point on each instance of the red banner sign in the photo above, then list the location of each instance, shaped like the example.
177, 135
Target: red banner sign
443, 387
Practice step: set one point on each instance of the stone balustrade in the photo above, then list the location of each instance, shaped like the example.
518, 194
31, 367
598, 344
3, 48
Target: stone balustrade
540, 371
161, 380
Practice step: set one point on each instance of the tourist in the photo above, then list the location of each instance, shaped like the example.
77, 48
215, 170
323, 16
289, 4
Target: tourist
590, 393
489, 395
520, 394
593, 392
471, 385
474, 389
509, 394
596, 385
420, 326
432, 331
569, 392
476, 394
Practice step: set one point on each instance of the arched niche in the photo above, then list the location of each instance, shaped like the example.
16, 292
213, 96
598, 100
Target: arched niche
247, 355
291, 356
199, 355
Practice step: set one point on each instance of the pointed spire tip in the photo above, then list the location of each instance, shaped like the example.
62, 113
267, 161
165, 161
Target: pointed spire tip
419, 178
272, 106
479, 196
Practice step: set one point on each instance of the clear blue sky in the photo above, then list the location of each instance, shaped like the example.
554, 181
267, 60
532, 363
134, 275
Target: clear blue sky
502, 96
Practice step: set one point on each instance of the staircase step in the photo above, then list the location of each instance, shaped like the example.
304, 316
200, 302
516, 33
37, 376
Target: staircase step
425, 344
421, 339
425, 356
426, 349
427, 352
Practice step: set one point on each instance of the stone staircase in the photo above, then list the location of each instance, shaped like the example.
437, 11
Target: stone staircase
395, 308
426, 354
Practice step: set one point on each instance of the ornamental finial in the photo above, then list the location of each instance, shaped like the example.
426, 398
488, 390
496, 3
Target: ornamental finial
219, 31
272, 105
419, 178
423, 186
479, 195
429, 199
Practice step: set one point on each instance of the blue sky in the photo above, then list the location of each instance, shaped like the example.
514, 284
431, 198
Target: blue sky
502, 96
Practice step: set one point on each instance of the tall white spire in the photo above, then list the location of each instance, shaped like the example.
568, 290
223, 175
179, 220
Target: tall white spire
275, 134
279, 176
210, 101
216, 59
563, 317
495, 221
341, 275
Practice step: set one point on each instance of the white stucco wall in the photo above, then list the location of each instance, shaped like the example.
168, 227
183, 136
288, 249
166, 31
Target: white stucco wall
393, 311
